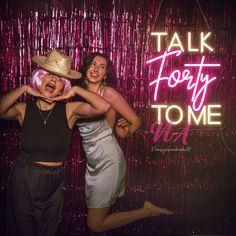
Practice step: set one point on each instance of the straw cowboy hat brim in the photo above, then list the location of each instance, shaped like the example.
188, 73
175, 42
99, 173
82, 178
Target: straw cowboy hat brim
58, 64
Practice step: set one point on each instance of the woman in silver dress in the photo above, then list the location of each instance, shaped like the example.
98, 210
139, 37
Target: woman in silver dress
106, 166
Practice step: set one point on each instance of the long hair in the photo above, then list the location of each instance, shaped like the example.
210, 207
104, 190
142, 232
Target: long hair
38, 74
110, 72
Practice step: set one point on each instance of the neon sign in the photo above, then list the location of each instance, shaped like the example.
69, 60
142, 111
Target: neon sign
206, 116
176, 42
196, 83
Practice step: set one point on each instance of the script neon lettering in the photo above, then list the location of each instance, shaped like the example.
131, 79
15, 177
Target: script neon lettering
198, 84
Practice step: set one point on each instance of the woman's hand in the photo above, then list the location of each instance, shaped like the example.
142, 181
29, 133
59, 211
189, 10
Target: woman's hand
65, 97
29, 90
122, 128
33, 92
10, 108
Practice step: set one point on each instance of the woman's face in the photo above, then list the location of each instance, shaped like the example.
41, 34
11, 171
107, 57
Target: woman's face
97, 70
51, 85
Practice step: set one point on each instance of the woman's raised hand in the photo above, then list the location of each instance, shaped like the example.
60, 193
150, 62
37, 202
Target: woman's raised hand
33, 92
36, 93
65, 97
122, 128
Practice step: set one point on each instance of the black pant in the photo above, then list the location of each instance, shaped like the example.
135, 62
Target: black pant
35, 199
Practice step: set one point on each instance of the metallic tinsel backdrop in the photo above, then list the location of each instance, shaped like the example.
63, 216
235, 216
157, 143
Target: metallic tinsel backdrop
199, 185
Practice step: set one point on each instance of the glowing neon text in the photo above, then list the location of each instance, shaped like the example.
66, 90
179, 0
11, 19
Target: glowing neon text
205, 117
198, 84
176, 42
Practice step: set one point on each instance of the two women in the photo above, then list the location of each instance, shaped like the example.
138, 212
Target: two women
35, 193
35, 187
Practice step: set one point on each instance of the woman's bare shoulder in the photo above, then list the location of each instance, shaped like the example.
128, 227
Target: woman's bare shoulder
109, 91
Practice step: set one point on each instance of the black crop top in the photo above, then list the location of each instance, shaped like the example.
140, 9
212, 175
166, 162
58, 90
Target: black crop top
45, 142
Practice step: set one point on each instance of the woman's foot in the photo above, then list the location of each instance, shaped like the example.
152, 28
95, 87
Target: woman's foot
152, 210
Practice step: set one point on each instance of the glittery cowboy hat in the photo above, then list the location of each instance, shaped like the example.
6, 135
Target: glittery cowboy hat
58, 64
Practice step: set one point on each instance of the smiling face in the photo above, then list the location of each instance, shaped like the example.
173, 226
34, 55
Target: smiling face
51, 85
97, 70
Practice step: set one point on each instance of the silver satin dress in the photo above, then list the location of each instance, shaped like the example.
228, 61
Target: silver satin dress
105, 166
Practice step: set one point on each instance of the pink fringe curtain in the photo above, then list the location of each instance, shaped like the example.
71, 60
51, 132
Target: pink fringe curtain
199, 184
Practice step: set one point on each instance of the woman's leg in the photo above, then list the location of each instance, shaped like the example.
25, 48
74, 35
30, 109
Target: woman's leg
46, 187
100, 221
35, 199
20, 217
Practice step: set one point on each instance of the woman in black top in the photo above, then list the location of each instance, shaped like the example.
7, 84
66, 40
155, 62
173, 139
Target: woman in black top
35, 187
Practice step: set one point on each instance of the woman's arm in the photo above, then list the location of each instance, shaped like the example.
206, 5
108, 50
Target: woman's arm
95, 105
120, 105
9, 109
7, 103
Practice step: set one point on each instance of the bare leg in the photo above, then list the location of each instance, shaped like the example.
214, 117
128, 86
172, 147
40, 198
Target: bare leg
100, 221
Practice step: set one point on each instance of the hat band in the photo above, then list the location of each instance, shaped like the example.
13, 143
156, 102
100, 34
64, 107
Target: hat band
57, 69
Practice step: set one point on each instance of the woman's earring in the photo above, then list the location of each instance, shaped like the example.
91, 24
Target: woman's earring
85, 82
103, 83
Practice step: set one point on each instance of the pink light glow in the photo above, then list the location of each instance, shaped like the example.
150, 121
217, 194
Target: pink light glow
198, 84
